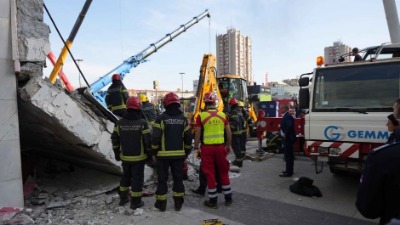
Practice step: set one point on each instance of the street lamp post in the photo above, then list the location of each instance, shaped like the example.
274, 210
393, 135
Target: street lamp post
182, 82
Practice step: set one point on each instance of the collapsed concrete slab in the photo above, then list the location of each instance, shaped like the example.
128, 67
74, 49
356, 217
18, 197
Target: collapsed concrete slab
63, 126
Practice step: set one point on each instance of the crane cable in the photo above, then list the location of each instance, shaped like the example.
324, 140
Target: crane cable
209, 34
65, 44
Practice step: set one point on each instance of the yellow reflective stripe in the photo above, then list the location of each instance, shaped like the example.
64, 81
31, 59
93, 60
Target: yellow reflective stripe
157, 125
136, 194
188, 146
118, 107
133, 158
155, 146
115, 146
122, 188
161, 197
237, 132
171, 153
146, 131
179, 194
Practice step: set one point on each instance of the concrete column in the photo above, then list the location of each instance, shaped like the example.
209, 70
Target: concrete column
11, 192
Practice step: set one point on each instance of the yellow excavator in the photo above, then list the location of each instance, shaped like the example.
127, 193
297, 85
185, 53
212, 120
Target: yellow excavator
225, 87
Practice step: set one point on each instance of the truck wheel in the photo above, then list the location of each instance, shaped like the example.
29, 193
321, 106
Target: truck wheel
336, 171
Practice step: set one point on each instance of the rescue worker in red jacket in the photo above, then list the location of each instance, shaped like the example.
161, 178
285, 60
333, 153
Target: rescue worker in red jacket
171, 144
116, 96
211, 128
132, 145
236, 123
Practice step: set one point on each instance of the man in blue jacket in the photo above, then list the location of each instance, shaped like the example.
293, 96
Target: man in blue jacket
289, 135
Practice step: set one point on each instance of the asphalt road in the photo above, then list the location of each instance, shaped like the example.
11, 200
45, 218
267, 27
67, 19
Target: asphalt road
262, 197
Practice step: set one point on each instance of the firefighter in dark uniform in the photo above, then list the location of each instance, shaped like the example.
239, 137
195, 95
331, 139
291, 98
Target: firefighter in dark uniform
236, 123
116, 96
379, 192
131, 142
148, 109
212, 129
247, 122
171, 144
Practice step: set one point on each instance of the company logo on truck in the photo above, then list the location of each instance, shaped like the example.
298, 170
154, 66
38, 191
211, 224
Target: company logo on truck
337, 133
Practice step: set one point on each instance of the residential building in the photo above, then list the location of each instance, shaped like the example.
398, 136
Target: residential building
332, 53
234, 54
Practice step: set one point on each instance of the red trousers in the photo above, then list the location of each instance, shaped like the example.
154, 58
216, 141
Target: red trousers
211, 156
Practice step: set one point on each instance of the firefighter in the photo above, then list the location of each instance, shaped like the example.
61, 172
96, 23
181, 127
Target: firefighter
247, 122
171, 144
236, 123
132, 145
211, 128
148, 109
116, 96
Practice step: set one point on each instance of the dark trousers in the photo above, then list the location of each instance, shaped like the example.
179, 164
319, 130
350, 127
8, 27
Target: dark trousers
133, 176
237, 145
176, 166
243, 142
289, 156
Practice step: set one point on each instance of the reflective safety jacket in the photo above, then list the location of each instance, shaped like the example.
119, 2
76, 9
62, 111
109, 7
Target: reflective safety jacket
213, 127
116, 96
237, 122
172, 136
131, 139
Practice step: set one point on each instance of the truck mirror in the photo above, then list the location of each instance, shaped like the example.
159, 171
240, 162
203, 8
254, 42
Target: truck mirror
304, 81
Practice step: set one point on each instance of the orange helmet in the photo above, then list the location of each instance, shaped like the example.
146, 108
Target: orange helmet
210, 97
171, 98
116, 77
133, 103
232, 102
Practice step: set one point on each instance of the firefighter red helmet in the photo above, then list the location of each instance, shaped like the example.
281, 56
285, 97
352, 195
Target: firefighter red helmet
116, 77
133, 103
232, 102
210, 97
171, 98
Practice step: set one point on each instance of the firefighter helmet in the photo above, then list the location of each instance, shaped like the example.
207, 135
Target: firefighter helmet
116, 77
210, 97
143, 98
232, 102
240, 104
133, 103
171, 98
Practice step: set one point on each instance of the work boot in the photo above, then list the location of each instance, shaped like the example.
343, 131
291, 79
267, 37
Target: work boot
228, 199
211, 203
198, 191
161, 205
136, 202
237, 163
123, 197
178, 203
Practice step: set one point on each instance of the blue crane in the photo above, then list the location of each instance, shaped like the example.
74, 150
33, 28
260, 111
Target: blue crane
95, 88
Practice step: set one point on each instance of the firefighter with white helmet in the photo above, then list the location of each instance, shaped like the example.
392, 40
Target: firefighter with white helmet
131, 143
212, 129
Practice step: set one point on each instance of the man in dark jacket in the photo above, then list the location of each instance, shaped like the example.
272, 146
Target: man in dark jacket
171, 144
289, 135
132, 145
379, 191
116, 97
148, 109
237, 125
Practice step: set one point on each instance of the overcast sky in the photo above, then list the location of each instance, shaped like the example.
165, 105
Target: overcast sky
287, 35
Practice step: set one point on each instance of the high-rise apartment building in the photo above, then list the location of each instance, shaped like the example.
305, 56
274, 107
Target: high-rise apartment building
332, 53
234, 55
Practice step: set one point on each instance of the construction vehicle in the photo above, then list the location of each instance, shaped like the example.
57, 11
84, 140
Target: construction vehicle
225, 87
94, 90
348, 105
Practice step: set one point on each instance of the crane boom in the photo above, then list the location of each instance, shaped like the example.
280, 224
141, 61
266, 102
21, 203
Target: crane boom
133, 61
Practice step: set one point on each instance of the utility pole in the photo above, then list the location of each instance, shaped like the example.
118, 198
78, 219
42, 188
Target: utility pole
182, 82
78, 61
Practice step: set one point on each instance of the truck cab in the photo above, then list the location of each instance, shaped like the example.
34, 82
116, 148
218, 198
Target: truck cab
348, 105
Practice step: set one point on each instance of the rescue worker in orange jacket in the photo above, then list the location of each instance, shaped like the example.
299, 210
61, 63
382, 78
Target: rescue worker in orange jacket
171, 144
132, 145
237, 125
116, 96
212, 128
